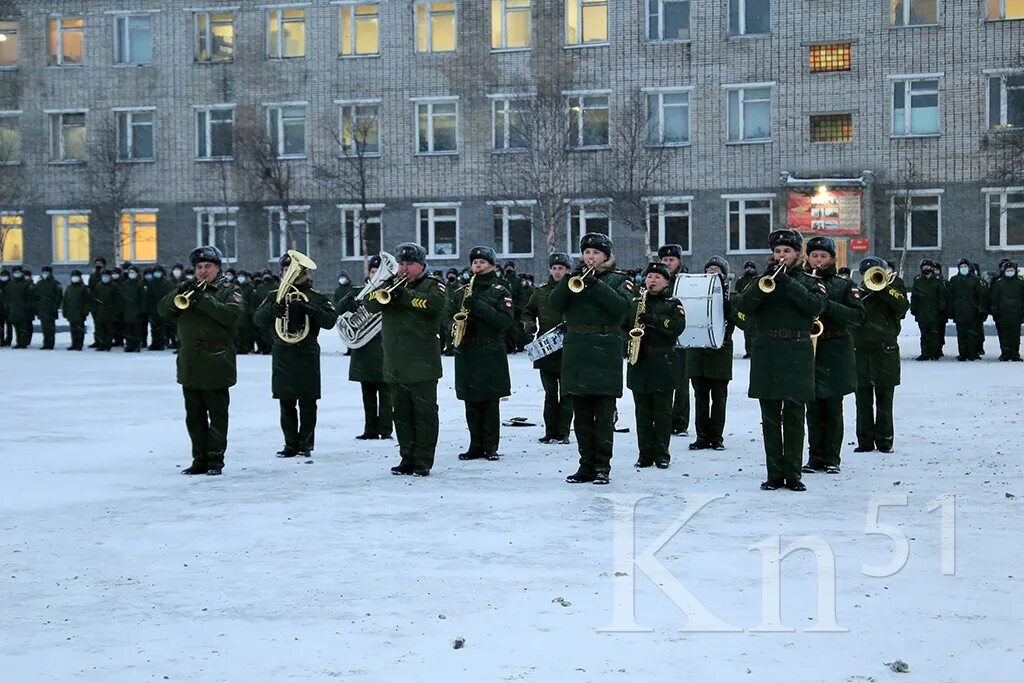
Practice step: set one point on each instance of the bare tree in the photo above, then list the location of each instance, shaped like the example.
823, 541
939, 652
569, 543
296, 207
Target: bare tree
903, 200
1008, 147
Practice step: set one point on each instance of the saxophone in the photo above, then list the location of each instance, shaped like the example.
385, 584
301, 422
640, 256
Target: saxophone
637, 333
461, 317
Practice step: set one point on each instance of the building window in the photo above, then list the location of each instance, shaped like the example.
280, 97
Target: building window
215, 132
668, 20
749, 17
67, 136
510, 24
750, 114
286, 125
832, 128
513, 230
134, 135
138, 236
133, 39
437, 127
360, 29
66, 38
359, 123
10, 138
668, 222
215, 36
916, 220
70, 237
507, 123
668, 118
287, 230
1006, 101
586, 22
361, 233
12, 238
750, 222
286, 32
435, 26
915, 107
914, 12
439, 230
8, 44
832, 57
1006, 218
588, 121
1005, 9
216, 226
587, 217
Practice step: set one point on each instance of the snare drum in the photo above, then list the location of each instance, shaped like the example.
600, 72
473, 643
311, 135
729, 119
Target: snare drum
704, 303
546, 344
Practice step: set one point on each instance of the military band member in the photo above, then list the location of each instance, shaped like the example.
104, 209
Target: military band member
672, 256
206, 356
710, 372
296, 365
1007, 296
592, 354
652, 378
967, 308
538, 319
75, 305
412, 357
367, 368
929, 307
749, 277
878, 361
835, 364
481, 359
782, 358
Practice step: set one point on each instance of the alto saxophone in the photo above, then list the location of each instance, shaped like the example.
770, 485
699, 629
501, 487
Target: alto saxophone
461, 317
637, 333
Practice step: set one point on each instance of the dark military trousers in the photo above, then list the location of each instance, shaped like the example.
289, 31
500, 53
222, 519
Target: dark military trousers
416, 422
264, 339
782, 427
653, 425
967, 340
103, 334
1009, 338
298, 423
157, 328
119, 332
171, 334
709, 400
6, 332
377, 418
22, 333
933, 338
748, 342
484, 421
134, 334
824, 432
595, 431
681, 400
206, 418
557, 408
77, 334
49, 328
874, 417
980, 336
244, 339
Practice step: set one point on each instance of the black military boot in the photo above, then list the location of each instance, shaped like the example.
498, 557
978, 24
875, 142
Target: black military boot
661, 464
492, 456
421, 472
700, 445
582, 476
795, 485
368, 435
214, 471
401, 469
864, 448
601, 478
642, 464
287, 452
472, 455
195, 469
770, 485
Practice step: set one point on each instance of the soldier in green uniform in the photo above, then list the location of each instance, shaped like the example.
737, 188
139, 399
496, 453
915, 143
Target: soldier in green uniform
538, 318
878, 361
412, 357
264, 333
592, 354
452, 300
206, 356
652, 378
21, 306
710, 372
116, 277
133, 311
742, 282
344, 290
967, 305
6, 329
296, 365
672, 256
511, 280
929, 307
75, 305
481, 359
246, 331
95, 275
1007, 298
105, 300
159, 287
49, 295
835, 364
782, 358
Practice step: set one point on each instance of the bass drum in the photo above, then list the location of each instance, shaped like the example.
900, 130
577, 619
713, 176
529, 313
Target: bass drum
704, 303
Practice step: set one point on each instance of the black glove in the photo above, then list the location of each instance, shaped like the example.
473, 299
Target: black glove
185, 286
472, 304
198, 294
280, 309
782, 278
352, 305
590, 279
531, 328
648, 320
397, 295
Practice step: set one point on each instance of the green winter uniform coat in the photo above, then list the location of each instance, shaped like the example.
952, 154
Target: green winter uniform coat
835, 364
1007, 300
296, 374
156, 289
744, 281
76, 303
594, 339
48, 295
714, 363
481, 360
655, 370
928, 302
105, 301
20, 298
133, 300
412, 350
967, 299
206, 336
875, 341
248, 291
782, 358
538, 315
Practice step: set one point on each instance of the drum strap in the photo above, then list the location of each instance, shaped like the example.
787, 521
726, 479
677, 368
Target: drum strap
592, 329
786, 334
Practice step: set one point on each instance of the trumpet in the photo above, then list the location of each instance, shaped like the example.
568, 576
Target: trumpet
636, 334
183, 301
383, 295
767, 284
461, 317
576, 281
877, 278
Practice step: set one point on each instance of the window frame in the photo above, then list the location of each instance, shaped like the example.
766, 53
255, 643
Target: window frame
281, 21
661, 92
431, 243
353, 105
742, 88
14, 114
429, 28
278, 135
283, 234
124, 116
1004, 98
909, 230
133, 227
351, 5
16, 32
430, 102
61, 140
1004, 206
524, 209
906, 16
126, 17
660, 228
202, 237
66, 214
833, 114
207, 36
356, 210
770, 197
1002, 14
905, 81
573, 241
20, 228
55, 53
506, 99
504, 11
660, 4
741, 31
207, 131
577, 135
578, 7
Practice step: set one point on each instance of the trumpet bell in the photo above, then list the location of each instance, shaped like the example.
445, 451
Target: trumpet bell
181, 302
766, 285
877, 278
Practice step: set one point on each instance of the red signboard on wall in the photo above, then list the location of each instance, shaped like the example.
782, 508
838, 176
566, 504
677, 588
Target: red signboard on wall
859, 244
825, 211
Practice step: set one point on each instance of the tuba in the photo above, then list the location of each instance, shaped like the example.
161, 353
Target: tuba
461, 317
636, 334
287, 292
358, 327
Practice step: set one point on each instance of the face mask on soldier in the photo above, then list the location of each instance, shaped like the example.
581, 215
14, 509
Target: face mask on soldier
18, 275
105, 278
132, 275
45, 275
177, 272
1010, 272
75, 279
241, 279
964, 270
157, 275
115, 276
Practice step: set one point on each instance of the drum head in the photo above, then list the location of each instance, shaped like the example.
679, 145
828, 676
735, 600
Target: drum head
704, 303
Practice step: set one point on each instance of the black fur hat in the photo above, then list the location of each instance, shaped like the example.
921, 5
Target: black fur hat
596, 240
670, 250
559, 258
410, 252
208, 254
722, 264
486, 253
822, 243
659, 268
785, 237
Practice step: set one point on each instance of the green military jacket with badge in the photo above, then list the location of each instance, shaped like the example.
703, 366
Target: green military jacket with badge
206, 336
48, 295
655, 370
1007, 300
835, 363
76, 303
412, 349
538, 315
481, 360
876, 340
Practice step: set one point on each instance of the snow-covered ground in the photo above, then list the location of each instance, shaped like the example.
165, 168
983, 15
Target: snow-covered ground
117, 569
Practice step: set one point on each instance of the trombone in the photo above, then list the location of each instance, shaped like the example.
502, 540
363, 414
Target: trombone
383, 295
767, 284
183, 301
877, 278
576, 284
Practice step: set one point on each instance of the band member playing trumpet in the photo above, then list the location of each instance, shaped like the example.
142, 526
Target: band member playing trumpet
411, 312
658, 319
710, 371
783, 305
481, 360
367, 368
594, 302
835, 366
206, 311
298, 312
672, 256
538, 319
